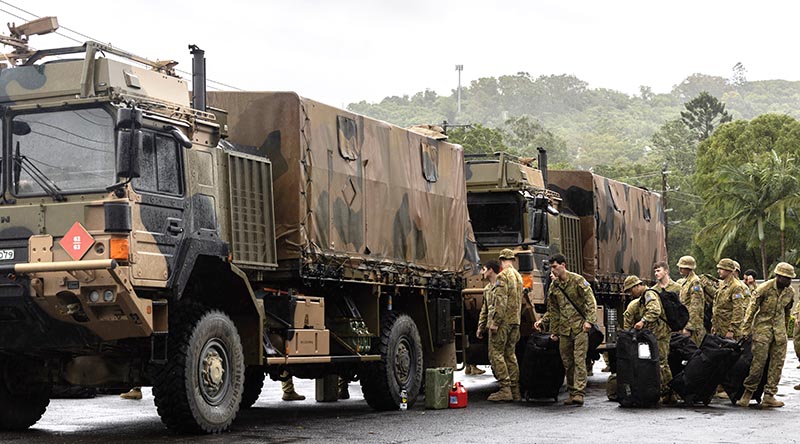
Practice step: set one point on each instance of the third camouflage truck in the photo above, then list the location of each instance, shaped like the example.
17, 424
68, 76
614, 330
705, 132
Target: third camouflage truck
605, 229
150, 235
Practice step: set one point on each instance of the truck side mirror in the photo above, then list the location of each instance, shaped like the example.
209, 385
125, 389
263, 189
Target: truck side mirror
129, 145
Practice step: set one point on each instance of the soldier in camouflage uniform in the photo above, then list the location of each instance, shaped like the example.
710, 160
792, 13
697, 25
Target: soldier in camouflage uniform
796, 338
645, 312
729, 302
692, 297
766, 319
494, 318
511, 276
663, 281
571, 311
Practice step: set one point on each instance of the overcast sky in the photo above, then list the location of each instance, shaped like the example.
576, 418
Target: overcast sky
342, 51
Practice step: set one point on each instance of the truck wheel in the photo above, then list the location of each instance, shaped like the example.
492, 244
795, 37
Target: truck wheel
400, 367
200, 387
23, 397
253, 383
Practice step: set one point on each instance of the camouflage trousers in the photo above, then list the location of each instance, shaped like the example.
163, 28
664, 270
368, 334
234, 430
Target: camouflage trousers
573, 350
502, 355
663, 363
766, 346
698, 335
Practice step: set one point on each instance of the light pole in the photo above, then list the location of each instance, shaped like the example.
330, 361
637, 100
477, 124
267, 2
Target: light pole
459, 68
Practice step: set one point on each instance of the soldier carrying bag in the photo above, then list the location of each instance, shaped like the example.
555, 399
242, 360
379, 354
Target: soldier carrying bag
675, 313
596, 335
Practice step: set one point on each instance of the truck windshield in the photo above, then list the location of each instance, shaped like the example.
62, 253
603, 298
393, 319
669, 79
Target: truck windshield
61, 152
496, 218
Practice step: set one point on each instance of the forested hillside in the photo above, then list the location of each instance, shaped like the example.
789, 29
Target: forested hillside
734, 192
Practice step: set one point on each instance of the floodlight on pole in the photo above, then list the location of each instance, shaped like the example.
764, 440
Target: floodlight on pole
459, 68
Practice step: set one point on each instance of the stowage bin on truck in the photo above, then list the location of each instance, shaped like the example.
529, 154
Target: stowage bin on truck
150, 235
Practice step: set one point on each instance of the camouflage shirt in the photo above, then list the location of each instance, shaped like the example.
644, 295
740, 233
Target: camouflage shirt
493, 310
647, 308
693, 298
729, 307
514, 306
671, 286
561, 315
768, 312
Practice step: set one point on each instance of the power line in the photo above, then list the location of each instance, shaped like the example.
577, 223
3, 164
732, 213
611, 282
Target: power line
97, 40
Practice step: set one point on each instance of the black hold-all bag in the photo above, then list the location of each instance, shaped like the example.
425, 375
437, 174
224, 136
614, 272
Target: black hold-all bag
706, 369
675, 313
541, 372
734, 379
596, 335
681, 349
638, 371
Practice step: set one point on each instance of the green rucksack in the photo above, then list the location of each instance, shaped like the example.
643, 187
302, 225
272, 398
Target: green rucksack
710, 284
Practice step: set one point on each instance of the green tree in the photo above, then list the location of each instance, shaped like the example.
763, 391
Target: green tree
704, 113
478, 139
781, 173
743, 196
524, 134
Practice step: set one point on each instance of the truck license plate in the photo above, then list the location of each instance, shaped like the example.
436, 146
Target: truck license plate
6, 255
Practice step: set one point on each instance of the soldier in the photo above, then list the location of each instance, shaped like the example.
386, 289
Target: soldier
766, 319
494, 318
511, 276
663, 281
750, 279
645, 312
729, 302
571, 311
796, 337
692, 297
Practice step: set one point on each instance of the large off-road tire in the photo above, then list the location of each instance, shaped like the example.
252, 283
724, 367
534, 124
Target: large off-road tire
23, 395
253, 383
199, 389
400, 367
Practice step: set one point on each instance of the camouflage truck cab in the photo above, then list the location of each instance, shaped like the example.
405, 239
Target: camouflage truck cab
147, 239
606, 230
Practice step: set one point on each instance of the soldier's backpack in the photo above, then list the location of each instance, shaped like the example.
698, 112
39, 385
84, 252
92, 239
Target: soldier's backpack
706, 369
675, 313
734, 379
541, 373
710, 285
638, 371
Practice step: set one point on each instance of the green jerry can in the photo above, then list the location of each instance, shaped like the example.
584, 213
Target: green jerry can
438, 382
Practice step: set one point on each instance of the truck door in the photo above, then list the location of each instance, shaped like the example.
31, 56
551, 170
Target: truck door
158, 212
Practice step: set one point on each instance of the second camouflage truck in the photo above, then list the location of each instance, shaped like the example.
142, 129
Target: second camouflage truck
605, 229
146, 239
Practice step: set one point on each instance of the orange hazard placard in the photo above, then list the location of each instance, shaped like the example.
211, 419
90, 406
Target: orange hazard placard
77, 241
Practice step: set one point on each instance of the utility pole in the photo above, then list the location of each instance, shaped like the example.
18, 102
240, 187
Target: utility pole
459, 68
664, 199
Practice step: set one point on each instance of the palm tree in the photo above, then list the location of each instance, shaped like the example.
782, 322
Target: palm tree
782, 177
743, 195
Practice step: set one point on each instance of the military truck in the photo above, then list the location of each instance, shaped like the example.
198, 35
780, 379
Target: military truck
606, 230
153, 235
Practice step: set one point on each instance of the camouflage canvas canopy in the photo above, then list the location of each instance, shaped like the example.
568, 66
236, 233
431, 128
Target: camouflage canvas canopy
622, 226
347, 185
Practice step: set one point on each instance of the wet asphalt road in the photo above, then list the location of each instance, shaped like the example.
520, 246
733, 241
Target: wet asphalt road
109, 419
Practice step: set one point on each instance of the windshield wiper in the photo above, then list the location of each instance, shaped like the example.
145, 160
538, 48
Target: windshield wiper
23, 163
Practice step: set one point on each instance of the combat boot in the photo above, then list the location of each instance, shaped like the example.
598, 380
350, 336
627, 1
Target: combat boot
577, 400
797, 387
570, 400
504, 394
770, 401
292, 396
134, 393
515, 394
473, 369
744, 401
